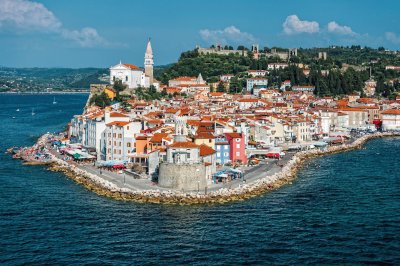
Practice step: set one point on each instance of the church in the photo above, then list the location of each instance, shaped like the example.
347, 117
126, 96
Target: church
133, 76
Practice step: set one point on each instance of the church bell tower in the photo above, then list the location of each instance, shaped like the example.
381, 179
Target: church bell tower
148, 62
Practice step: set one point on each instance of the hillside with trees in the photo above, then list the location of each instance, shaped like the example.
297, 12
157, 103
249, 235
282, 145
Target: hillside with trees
344, 71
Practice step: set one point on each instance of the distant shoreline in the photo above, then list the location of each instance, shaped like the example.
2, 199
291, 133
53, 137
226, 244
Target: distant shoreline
44, 93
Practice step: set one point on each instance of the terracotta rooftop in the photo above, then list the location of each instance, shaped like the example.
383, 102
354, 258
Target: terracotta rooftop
185, 144
206, 150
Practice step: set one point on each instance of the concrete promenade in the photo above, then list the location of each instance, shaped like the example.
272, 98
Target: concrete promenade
266, 168
260, 179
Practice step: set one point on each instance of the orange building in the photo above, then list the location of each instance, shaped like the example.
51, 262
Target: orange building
142, 143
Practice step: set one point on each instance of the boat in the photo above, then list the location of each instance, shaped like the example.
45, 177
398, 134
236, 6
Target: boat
54, 100
33, 111
17, 110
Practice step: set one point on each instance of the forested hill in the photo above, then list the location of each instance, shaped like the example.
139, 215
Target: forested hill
39, 79
345, 70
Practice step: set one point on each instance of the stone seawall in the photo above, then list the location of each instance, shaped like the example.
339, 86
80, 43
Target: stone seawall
245, 191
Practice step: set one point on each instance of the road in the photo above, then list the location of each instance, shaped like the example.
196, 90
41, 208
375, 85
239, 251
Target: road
122, 180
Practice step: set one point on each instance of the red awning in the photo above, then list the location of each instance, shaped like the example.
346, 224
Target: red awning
273, 155
118, 166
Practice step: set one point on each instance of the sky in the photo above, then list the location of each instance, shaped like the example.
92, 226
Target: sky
100, 33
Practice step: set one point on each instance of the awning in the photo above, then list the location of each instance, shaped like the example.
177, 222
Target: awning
319, 144
118, 166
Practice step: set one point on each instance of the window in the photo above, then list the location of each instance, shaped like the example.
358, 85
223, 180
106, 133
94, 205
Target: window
113, 78
128, 145
226, 147
119, 135
109, 135
237, 140
115, 143
226, 154
218, 148
238, 146
114, 135
127, 128
126, 78
109, 142
119, 152
209, 140
237, 153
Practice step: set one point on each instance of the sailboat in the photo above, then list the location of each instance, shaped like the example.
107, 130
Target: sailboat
33, 111
54, 100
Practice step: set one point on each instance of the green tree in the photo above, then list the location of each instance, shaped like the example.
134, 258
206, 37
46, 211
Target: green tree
221, 87
119, 86
100, 100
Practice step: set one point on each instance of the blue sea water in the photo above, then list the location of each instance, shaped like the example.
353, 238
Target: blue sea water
342, 209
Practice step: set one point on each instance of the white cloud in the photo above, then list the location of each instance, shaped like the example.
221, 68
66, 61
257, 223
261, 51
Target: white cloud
392, 37
86, 37
293, 25
334, 27
23, 15
226, 36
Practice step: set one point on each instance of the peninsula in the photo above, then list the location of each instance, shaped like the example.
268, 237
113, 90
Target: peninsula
181, 139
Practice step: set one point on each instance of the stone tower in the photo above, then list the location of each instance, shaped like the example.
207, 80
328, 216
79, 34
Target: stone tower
180, 129
148, 62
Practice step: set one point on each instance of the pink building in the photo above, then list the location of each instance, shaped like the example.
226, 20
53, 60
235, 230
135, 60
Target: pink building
237, 147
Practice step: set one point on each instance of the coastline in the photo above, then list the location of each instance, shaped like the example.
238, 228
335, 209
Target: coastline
288, 173
45, 93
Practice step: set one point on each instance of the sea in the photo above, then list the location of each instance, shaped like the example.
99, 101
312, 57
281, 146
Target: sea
342, 209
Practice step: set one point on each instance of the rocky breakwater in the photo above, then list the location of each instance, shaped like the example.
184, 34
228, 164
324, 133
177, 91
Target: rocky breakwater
245, 191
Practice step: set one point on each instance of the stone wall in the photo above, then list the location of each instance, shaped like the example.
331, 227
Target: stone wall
182, 176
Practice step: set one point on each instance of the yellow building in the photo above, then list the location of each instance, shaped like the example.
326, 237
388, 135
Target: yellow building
205, 138
111, 93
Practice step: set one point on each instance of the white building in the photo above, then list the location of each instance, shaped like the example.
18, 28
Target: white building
95, 127
257, 73
391, 119
251, 82
274, 66
133, 76
130, 75
119, 140
343, 120
226, 77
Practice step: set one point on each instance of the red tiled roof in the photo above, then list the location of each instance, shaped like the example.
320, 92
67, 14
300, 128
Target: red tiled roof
234, 135
116, 114
132, 66
185, 144
118, 123
204, 135
391, 112
158, 137
206, 150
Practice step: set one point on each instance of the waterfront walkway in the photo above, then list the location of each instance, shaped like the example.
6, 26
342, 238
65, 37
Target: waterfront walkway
267, 167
